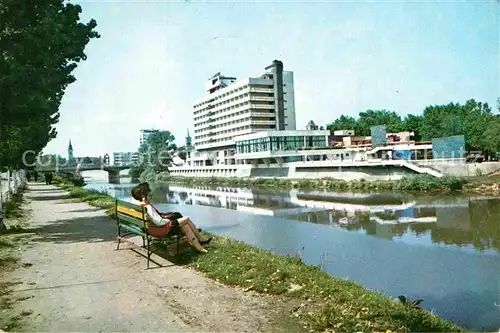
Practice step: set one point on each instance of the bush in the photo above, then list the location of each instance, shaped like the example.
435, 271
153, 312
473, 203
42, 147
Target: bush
78, 181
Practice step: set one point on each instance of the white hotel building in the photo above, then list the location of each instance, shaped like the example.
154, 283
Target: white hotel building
247, 128
237, 107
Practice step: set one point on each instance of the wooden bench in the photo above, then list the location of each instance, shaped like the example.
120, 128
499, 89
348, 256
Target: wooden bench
132, 220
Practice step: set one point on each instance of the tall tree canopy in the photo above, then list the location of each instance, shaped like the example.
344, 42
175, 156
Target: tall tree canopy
155, 155
473, 119
41, 44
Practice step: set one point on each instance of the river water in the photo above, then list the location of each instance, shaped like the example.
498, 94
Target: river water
443, 249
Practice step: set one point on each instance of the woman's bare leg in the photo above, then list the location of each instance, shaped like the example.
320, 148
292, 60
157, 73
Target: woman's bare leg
191, 238
187, 221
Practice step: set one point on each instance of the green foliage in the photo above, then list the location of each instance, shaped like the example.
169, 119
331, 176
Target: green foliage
41, 43
92, 197
415, 183
154, 156
473, 119
329, 303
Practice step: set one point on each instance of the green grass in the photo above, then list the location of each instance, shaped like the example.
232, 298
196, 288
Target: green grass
12, 208
412, 184
92, 197
329, 303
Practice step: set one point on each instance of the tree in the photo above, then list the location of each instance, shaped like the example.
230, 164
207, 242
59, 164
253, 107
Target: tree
473, 119
442, 120
367, 119
370, 118
413, 123
343, 123
155, 155
41, 44
492, 135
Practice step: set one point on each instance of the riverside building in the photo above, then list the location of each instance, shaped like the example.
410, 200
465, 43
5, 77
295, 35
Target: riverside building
247, 128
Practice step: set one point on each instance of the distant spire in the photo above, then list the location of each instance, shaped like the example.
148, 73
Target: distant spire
70, 151
188, 140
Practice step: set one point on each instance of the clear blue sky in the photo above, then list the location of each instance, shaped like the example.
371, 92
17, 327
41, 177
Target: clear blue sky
153, 58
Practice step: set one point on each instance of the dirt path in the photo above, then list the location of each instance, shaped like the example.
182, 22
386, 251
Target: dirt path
72, 279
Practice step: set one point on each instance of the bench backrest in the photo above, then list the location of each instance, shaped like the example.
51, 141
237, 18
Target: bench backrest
129, 213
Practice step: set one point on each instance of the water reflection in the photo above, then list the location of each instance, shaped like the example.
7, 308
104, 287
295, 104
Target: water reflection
444, 250
464, 222
469, 223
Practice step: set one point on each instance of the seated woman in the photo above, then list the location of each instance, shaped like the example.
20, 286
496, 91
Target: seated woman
162, 226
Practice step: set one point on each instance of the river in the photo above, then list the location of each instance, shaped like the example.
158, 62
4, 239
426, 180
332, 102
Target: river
443, 249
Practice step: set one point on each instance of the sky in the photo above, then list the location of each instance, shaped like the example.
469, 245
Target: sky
153, 58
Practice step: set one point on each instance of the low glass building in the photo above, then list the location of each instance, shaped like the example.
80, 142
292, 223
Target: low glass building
271, 144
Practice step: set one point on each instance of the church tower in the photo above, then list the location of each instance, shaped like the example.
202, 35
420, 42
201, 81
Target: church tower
189, 145
70, 151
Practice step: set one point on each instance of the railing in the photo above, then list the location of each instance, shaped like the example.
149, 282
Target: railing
261, 90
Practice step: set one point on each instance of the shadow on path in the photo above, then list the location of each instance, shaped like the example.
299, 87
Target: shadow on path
86, 210
50, 197
57, 190
90, 229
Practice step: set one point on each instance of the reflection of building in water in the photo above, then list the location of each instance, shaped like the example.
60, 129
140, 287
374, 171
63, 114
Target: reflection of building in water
344, 205
453, 217
457, 222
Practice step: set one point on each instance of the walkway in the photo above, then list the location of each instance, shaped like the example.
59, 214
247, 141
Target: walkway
74, 280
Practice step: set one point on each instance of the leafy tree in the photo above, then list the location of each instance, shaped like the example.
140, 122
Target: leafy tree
492, 135
370, 118
344, 123
367, 119
41, 44
155, 155
473, 119
182, 152
413, 123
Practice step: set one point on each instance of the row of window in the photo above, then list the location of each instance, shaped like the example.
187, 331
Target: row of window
235, 120
280, 143
233, 131
214, 113
230, 92
214, 131
232, 107
242, 92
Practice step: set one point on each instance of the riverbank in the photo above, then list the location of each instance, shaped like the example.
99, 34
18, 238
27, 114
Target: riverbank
15, 219
325, 303
422, 183
65, 273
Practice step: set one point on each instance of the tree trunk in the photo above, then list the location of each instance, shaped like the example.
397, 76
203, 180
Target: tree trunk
3, 228
9, 193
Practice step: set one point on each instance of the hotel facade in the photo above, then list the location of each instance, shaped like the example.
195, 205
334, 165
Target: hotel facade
247, 128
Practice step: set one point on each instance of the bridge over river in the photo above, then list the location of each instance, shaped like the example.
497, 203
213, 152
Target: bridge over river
74, 169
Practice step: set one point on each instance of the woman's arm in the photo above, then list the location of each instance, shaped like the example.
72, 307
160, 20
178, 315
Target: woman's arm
155, 217
171, 215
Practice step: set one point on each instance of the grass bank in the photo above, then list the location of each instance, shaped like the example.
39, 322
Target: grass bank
328, 304
487, 185
10, 240
92, 197
413, 184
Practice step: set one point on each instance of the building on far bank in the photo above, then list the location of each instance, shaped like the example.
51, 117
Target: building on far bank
125, 158
237, 107
145, 133
247, 128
